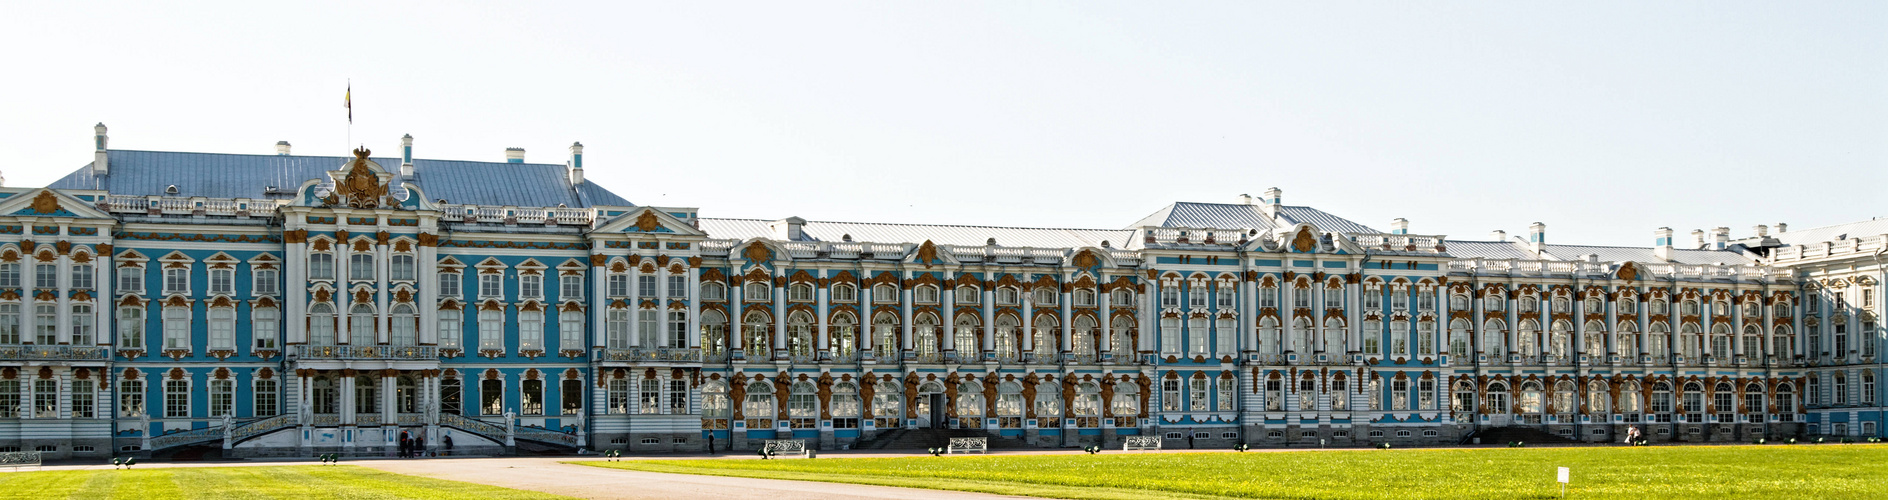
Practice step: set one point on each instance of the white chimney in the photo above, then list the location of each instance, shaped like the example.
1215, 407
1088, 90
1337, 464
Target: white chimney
514, 155
101, 162
576, 163
788, 229
1662, 243
1720, 237
1273, 200
1243, 199
1697, 238
1537, 237
1781, 227
406, 156
1762, 230
1498, 235
1399, 225
281, 148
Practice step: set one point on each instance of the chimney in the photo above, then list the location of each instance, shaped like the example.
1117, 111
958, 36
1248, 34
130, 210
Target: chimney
1781, 227
281, 148
101, 163
788, 229
1720, 238
1243, 199
1697, 238
1498, 235
1274, 198
1399, 225
1762, 230
514, 155
576, 163
406, 156
1592, 257
1662, 243
1537, 237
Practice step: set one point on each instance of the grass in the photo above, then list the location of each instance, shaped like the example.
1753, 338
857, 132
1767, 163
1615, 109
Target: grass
1824, 472
286, 482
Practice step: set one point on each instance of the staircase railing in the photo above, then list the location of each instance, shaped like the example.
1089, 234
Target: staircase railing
475, 426
552, 436
255, 428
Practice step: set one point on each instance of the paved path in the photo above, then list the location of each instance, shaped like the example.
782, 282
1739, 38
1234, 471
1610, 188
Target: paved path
549, 476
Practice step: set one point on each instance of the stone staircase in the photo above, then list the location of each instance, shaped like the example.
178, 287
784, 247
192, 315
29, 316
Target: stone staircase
919, 439
1529, 435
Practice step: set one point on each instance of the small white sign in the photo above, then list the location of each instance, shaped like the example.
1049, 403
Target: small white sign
1563, 475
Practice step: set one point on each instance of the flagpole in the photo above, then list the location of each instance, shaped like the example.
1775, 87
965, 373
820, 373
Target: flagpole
348, 102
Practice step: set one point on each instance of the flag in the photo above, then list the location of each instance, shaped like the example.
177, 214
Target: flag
347, 101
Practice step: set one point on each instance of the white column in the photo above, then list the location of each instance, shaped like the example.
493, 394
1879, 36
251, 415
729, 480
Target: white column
62, 315
1317, 314
1248, 317
1287, 312
294, 293
694, 307
383, 271
599, 299
820, 297
948, 298
635, 303
662, 306
867, 330
1068, 316
737, 329
342, 298
1353, 312
428, 273
780, 310
347, 400
1029, 320
1146, 314
987, 300
904, 304
1104, 344
103, 281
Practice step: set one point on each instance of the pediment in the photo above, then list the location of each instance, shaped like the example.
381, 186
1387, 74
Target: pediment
49, 203
648, 220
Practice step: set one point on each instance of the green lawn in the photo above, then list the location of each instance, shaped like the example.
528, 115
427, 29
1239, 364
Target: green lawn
1822, 472
287, 482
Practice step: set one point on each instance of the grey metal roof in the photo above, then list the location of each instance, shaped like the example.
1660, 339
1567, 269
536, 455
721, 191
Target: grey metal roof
1644, 254
1242, 216
918, 233
1469, 249
1871, 227
216, 175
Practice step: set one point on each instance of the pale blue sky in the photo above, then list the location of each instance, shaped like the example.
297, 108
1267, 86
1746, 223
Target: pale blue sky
1603, 120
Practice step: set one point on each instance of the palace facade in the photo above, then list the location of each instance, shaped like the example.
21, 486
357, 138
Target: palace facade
292, 305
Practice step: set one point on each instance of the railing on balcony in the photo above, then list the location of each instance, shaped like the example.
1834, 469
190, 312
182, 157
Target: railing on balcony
31, 352
676, 354
364, 352
171, 205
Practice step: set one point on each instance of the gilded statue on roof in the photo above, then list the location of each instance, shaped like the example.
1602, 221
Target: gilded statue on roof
361, 187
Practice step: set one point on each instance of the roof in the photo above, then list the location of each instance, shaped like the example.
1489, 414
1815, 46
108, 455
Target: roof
1243, 216
215, 175
1645, 254
919, 233
1470, 249
1871, 227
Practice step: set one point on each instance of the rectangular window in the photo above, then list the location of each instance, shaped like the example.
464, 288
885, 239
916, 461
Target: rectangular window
646, 285
9, 398
678, 286
223, 281
530, 330
531, 286
262, 327
176, 399
321, 266
264, 281
491, 285
222, 398
45, 324
130, 279
82, 276
491, 397
1227, 389
1170, 296
678, 397
449, 284
449, 329
570, 330
678, 329
177, 281
130, 398
266, 398
1426, 394
649, 400
84, 399
46, 398
360, 267
619, 285
570, 287
618, 394
222, 328
130, 324
9, 275
401, 268
46, 276
1196, 296
570, 399
82, 331
647, 331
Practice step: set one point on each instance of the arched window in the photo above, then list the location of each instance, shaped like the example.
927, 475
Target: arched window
803, 405
1630, 397
1527, 340
1084, 297
1721, 342
1083, 341
1691, 308
1560, 340
1626, 342
1459, 344
714, 291
1044, 296
755, 336
924, 294
756, 291
1336, 340
1271, 337
1658, 341
758, 406
1121, 297
845, 292
1528, 304
1047, 330
1006, 338
320, 324
1595, 338
1464, 399
800, 292
1458, 302
1691, 340
1661, 402
1495, 337
1594, 305
360, 325
1722, 399
969, 404
1497, 398
885, 336
884, 294
1786, 399
1007, 296
846, 408
1780, 343
1121, 338
1625, 306
888, 404
714, 403
844, 332
965, 335
967, 294
1531, 400
1301, 336
1564, 391
925, 328
1049, 404
1694, 398
1597, 397
714, 332
1009, 402
800, 336
1127, 400
405, 328
1086, 407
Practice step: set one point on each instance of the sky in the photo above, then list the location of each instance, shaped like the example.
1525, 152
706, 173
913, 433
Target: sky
1603, 120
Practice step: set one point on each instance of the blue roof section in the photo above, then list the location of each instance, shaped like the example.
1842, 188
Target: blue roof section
1243, 216
214, 175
